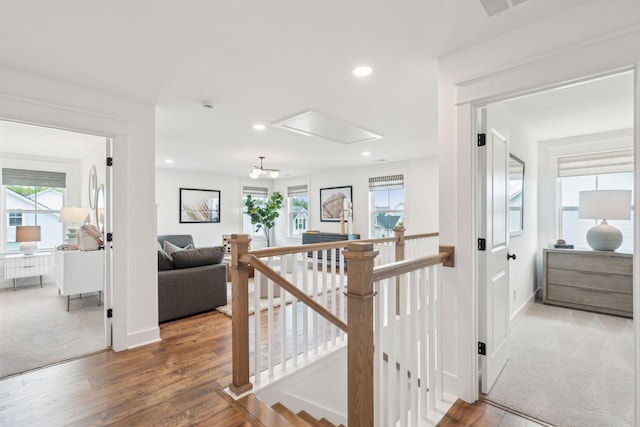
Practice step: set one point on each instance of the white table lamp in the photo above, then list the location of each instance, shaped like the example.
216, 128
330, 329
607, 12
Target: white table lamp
72, 215
604, 205
28, 235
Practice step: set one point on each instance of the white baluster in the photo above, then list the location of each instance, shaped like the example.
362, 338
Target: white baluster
305, 311
413, 342
270, 322
257, 359
283, 318
425, 336
433, 386
294, 309
315, 296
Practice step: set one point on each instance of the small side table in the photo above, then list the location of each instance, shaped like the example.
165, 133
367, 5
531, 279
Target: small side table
20, 265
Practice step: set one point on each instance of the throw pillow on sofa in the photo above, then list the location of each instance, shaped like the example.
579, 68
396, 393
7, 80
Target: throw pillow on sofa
170, 248
198, 257
164, 261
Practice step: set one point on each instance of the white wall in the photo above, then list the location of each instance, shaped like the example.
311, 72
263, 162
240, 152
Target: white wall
522, 270
560, 49
31, 99
421, 196
168, 184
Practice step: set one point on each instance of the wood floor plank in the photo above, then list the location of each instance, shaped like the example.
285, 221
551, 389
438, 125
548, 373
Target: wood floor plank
176, 381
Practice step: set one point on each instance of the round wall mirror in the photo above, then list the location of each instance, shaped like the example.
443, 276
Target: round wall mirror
99, 208
93, 186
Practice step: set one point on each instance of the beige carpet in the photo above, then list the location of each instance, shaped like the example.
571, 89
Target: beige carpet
569, 368
36, 330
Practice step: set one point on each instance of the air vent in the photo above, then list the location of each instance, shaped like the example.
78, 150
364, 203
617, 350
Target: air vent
495, 7
313, 123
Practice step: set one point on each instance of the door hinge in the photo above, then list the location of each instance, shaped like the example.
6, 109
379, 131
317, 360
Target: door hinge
110, 312
482, 244
482, 348
482, 139
109, 237
109, 161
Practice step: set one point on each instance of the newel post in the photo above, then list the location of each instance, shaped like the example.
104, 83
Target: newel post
399, 233
360, 257
240, 314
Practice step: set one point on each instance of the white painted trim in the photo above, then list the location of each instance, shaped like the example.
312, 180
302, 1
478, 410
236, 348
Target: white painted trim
138, 339
594, 57
29, 111
520, 312
636, 259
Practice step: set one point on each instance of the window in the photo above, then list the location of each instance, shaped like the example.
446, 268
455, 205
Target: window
33, 198
386, 194
257, 193
600, 171
298, 210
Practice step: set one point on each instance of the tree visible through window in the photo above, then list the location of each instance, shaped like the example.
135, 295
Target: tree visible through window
298, 210
387, 204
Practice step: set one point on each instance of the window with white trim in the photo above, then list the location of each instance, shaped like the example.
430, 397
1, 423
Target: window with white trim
386, 195
261, 195
611, 170
298, 210
33, 198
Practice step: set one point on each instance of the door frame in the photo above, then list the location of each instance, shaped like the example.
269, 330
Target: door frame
27, 111
469, 127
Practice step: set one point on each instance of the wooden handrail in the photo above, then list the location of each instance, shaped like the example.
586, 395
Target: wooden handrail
400, 267
421, 236
293, 290
286, 250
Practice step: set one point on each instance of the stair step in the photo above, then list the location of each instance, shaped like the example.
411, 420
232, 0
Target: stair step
322, 422
255, 409
294, 419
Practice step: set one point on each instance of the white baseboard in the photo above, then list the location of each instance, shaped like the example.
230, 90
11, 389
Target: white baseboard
143, 338
521, 311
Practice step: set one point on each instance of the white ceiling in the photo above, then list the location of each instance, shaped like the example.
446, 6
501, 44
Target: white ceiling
260, 62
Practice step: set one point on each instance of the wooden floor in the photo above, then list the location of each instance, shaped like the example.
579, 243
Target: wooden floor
484, 414
176, 382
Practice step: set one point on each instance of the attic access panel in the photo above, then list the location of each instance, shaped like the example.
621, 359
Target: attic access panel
313, 123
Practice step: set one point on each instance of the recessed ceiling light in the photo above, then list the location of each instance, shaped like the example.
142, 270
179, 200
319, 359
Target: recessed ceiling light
366, 153
208, 105
362, 71
168, 161
259, 126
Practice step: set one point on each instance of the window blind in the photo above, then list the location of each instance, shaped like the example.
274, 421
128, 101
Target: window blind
596, 163
297, 190
389, 182
255, 192
27, 178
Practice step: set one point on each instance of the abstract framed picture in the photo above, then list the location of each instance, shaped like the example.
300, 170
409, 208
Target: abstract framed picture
333, 202
197, 206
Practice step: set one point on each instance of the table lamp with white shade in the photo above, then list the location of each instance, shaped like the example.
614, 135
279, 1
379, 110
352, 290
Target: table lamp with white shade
28, 235
72, 215
604, 205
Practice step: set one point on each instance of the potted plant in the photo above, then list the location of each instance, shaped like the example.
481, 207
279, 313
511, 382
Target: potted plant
263, 213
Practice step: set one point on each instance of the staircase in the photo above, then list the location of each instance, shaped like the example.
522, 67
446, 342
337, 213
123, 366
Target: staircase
277, 415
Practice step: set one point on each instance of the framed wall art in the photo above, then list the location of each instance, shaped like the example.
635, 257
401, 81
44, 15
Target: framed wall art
333, 202
199, 205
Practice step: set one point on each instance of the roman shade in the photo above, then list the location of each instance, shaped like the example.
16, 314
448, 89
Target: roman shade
297, 191
26, 177
596, 163
389, 182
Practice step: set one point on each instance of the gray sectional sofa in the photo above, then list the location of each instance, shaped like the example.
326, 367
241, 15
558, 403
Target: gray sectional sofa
190, 281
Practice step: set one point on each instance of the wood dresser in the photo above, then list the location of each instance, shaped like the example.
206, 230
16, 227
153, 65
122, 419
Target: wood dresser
598, 281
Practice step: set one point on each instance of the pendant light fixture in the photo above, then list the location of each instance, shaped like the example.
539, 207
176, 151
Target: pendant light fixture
259, 170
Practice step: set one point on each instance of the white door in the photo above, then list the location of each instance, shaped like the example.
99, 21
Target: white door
493, 262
